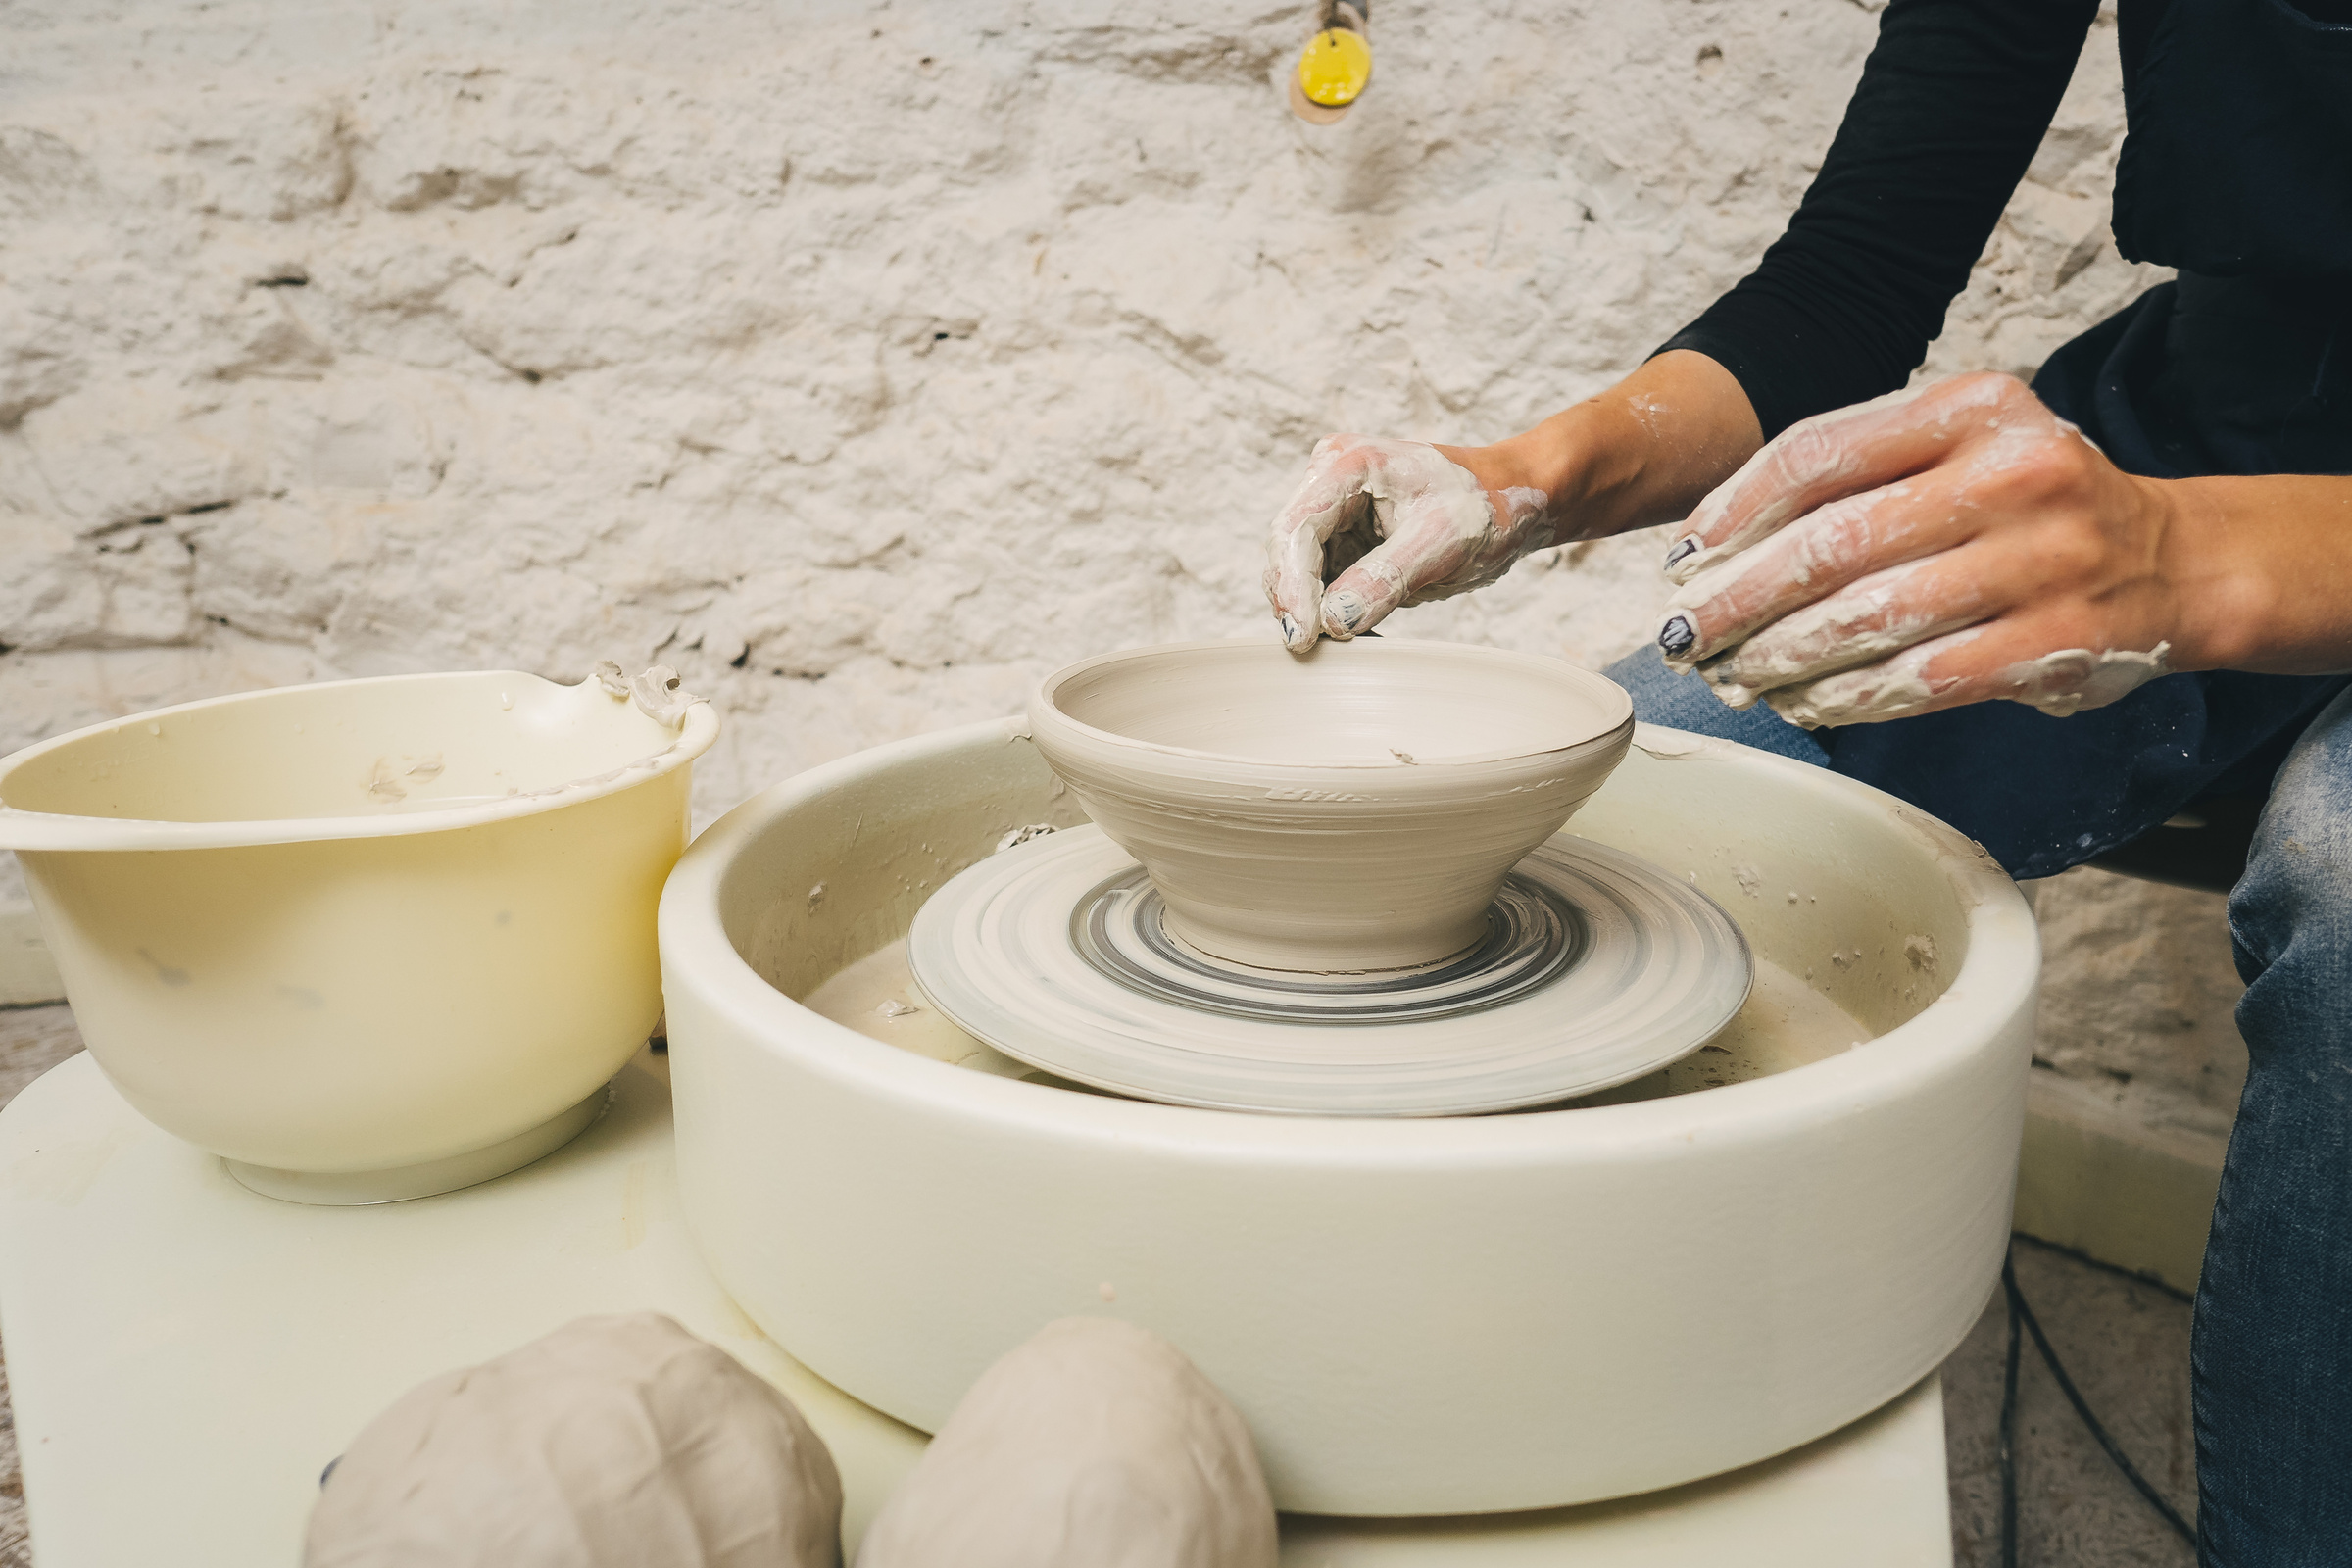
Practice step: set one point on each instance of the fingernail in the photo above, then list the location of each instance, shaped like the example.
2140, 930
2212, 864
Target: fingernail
1677, 636
1290, 632
1343, 610
1687, 547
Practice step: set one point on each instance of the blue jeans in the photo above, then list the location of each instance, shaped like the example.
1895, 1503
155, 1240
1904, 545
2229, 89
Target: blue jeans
2270, 1357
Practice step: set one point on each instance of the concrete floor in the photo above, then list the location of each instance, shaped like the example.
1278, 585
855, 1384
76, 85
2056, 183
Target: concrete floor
2125, 1346
2125, 1342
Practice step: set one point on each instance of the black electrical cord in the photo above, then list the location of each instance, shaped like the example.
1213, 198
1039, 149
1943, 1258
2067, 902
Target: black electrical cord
2020, 1313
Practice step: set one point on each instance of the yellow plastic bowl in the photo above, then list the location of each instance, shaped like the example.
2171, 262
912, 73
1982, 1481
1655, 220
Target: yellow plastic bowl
365, 939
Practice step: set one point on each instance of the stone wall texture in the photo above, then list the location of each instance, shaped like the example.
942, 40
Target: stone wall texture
864, 359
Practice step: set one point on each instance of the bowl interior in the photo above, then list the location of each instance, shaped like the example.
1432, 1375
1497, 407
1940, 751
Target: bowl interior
340, 750
1380, 701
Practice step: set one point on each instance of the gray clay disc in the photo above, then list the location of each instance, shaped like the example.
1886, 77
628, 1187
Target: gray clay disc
1598, 968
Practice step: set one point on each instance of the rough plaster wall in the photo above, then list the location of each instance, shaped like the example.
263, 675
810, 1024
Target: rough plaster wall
861, 359
2138, 1011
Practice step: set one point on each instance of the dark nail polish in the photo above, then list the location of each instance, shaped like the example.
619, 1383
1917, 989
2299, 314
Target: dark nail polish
1677, 636
1688, 547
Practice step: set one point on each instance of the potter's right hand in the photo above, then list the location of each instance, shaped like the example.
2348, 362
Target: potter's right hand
1394, 522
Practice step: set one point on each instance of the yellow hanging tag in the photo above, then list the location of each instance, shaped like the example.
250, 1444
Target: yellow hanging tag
1335, 67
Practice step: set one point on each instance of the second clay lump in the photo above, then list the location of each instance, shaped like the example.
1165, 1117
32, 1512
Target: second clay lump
1094, 1444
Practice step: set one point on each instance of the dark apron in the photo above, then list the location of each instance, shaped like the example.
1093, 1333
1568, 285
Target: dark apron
2238, 170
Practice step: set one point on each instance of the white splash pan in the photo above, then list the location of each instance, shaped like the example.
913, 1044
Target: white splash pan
1416, 1316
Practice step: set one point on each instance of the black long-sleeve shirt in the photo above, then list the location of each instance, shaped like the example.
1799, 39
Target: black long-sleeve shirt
2240, 160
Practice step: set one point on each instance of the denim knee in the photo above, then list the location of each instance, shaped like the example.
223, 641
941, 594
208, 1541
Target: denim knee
1684, 701
2293, 906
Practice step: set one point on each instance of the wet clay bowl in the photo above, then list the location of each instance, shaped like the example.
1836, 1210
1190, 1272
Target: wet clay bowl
1353, 809
366, 940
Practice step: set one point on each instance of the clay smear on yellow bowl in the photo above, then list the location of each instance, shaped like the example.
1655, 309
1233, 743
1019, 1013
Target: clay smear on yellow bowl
1354, 808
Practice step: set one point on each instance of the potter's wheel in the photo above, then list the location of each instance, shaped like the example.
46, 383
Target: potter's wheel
1596, 969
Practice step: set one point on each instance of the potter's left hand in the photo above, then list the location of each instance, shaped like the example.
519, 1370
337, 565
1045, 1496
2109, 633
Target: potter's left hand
1392, 523
1952, 546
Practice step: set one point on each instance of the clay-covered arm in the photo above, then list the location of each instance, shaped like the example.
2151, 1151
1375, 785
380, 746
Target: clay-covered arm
1400, 522
1644, 452
1962, 543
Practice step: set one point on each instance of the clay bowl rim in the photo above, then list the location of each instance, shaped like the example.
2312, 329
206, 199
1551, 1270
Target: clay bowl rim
1043, 704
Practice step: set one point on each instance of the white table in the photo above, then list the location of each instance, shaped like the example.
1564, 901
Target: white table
186, 1356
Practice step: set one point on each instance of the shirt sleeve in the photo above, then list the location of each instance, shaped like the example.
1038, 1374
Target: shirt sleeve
1952, 102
